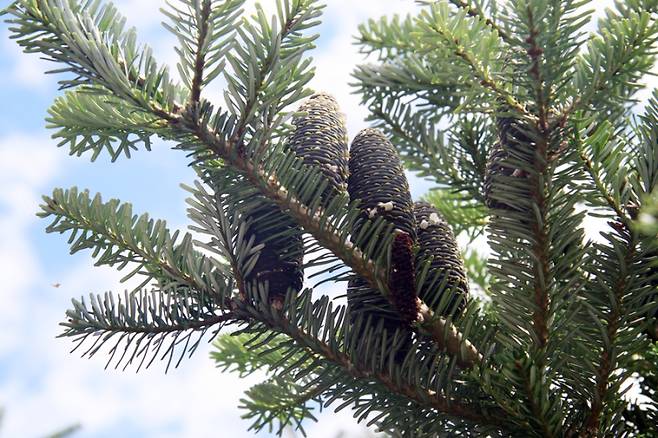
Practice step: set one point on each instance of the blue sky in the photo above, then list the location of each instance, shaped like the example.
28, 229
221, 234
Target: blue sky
42, 386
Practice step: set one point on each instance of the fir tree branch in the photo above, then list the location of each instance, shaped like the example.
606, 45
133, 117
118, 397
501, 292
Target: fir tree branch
93, 45
221, 222
125, 238
77, 323
607, 362
205, 31
283, 399
589, 166
476, 12
199, 58
142, 322
390, 39
617, 318
617, 58
469, 51
423, 397
92, 119
258, 93
532, 395
605, 160
440, 330
541, 240
630, 283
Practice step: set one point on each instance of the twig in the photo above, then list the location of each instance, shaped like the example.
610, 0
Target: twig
473, 11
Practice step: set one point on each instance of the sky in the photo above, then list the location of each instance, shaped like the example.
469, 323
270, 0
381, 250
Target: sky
42, 386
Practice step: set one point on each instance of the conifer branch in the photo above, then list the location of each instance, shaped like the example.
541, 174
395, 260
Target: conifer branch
607, 361
389, 38
448, 338
623, 260
464, 49
476, 12
219, 220
541, 240
589, 166
616, 59
531, 395
199, 59
283, 399
423, 397
124, 238
141, 323
79, 326
442, 332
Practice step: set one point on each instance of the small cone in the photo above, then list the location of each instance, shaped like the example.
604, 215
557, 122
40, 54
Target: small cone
437, 241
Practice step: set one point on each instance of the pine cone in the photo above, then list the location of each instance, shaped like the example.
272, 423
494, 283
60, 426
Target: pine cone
436, 239
377, 179
512, 144
320, 138
280, 260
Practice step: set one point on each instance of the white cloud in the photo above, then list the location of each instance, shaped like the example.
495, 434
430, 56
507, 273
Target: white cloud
27, 70
195, 399
17, 264
26, 162
337, 59
27, 159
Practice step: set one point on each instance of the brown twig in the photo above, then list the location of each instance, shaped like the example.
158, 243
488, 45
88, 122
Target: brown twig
200, 60
423, 397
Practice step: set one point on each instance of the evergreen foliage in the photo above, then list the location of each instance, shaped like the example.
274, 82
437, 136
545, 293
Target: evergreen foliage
522, 118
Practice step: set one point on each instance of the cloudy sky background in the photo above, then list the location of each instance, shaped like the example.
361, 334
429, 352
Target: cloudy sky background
42, 386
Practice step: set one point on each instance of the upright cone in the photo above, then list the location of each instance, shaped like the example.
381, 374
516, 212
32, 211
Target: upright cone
512, 145
437, 242
377, 180
320, 139
280, 261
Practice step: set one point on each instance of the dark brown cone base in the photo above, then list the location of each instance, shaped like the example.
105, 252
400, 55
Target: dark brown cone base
280, 260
